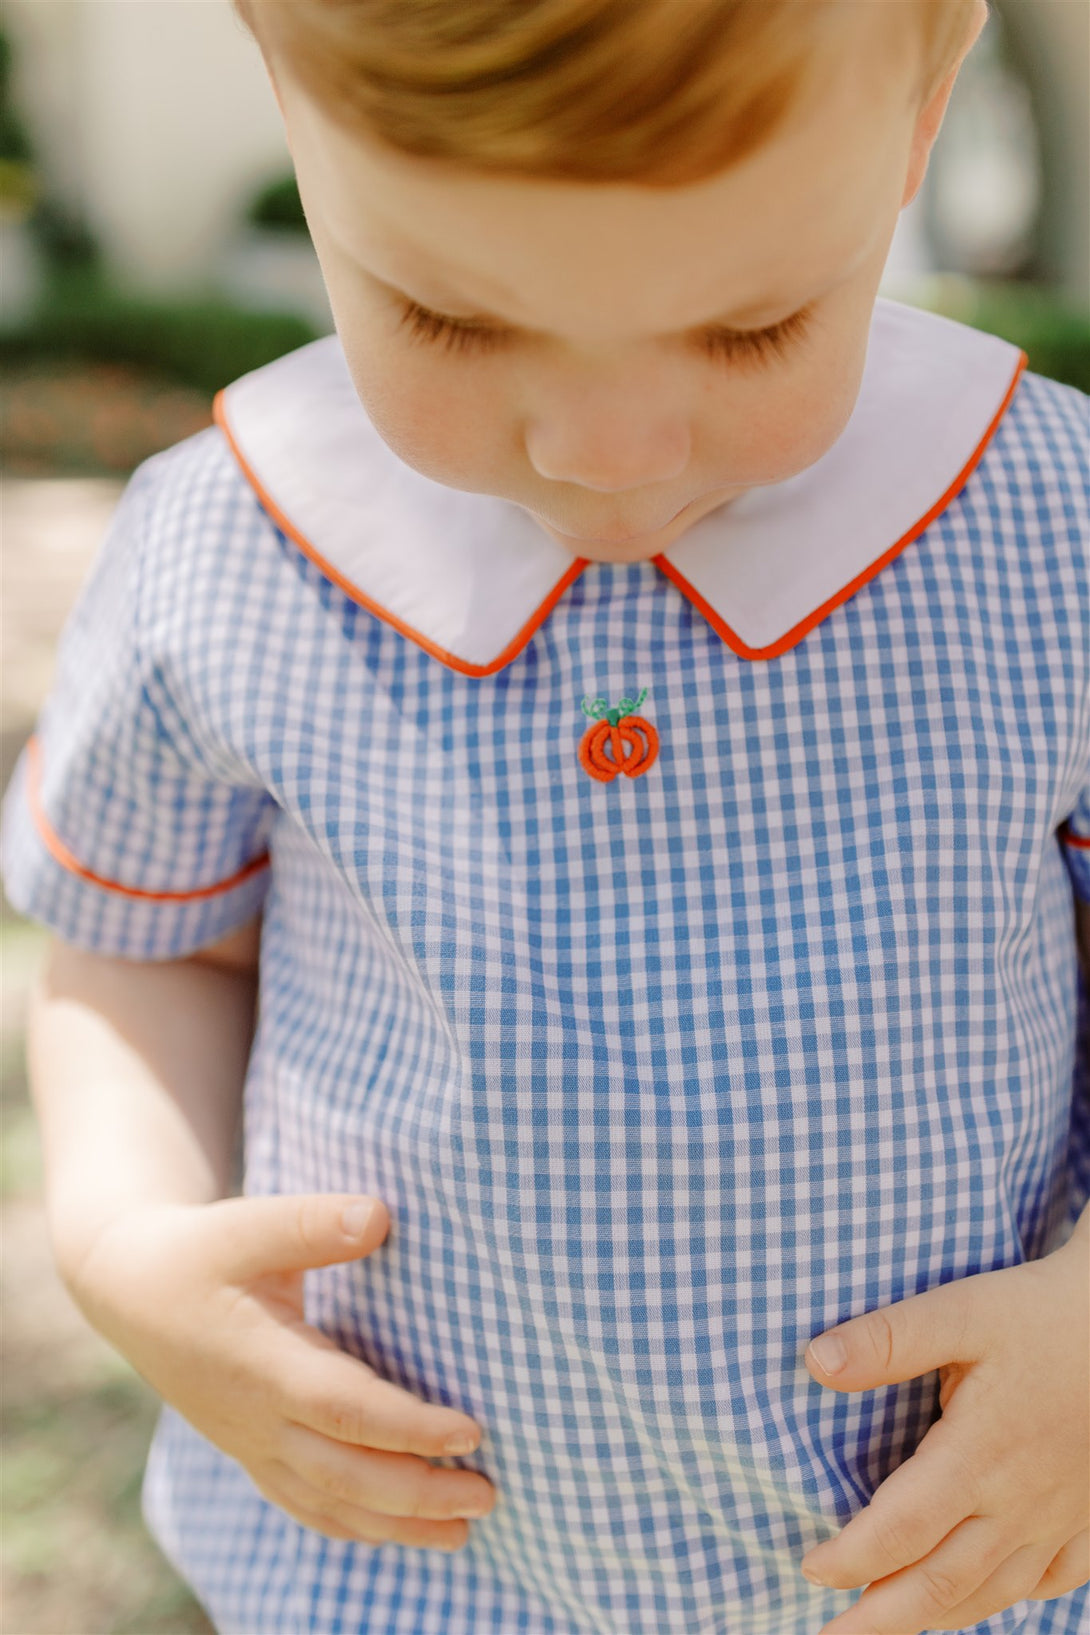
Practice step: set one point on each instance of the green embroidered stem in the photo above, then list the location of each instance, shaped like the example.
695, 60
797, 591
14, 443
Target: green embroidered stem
598, 709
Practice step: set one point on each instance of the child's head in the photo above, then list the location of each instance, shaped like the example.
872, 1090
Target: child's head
596, 190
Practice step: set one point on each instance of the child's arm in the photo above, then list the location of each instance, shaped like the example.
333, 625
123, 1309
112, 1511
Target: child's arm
136, 1073
135, 1104
994, 1505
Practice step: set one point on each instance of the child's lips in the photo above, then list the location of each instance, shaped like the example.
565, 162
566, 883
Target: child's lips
627, 538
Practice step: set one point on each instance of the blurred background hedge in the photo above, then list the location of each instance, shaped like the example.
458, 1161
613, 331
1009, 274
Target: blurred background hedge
203, 342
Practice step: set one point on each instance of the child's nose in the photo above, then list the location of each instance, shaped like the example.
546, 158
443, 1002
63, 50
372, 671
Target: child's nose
608, 447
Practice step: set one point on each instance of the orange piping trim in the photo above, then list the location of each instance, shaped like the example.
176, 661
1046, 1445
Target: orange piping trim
60, 853
803, 628
1071, 839
514, 646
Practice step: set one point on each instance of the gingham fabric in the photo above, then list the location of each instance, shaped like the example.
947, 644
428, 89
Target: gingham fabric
658, 1077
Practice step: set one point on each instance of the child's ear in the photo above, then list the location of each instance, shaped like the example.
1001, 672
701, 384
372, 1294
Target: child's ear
930, 117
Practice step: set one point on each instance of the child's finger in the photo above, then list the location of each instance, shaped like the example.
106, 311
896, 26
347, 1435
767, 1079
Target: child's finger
256, 1236
338, 1518
913, 1510
390, 1484
1015, 1580
1068, 1568
929, 1594
329, 1391
949, 1323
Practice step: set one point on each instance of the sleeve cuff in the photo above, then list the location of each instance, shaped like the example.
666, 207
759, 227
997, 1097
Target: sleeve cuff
45, 882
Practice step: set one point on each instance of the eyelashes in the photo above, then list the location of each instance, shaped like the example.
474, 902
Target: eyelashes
455, 337
759, 344
756, 345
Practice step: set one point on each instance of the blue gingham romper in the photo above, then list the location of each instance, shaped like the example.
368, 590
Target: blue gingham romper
659, 1075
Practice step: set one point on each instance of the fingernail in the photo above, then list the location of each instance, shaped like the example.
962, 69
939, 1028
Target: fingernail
355, 1217
809, 1573
473, 1509
829, 1353
460, 1442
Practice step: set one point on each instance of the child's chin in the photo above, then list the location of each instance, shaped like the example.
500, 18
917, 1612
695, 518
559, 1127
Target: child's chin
630, 551
636, 548
596, 550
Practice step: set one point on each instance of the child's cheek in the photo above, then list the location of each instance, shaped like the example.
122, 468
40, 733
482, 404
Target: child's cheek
789, 426
431, 413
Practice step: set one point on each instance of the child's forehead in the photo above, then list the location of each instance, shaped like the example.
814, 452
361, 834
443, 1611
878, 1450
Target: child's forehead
786, 222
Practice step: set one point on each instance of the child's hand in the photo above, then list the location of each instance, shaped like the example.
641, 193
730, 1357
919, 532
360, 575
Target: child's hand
206, 1302
993, 1506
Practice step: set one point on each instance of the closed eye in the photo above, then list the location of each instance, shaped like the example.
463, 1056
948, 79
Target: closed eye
775, 341
717, 341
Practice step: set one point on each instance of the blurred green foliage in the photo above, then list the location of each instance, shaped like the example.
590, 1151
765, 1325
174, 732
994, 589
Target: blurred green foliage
18, 188
204, 342
64, 238
19, 184
14, 142
278, 204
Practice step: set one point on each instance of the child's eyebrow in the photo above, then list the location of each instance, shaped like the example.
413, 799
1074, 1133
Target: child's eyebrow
726, 321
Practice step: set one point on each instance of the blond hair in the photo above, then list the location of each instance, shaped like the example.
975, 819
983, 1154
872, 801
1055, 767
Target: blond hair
662, 92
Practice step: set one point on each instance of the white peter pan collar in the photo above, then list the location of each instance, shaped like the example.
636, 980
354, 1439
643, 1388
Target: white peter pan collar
470, 577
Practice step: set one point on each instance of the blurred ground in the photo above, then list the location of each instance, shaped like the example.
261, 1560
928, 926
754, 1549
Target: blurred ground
76, 1420
91, 418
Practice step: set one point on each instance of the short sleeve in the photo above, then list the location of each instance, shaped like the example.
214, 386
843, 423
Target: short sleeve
112, 835
1075, 840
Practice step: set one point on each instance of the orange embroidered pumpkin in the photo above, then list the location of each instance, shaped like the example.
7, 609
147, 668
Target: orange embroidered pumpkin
619, 741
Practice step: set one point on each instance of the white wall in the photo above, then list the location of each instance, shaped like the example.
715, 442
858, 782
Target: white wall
155, 116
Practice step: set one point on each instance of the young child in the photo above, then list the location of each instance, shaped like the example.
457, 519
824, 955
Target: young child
621, 708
